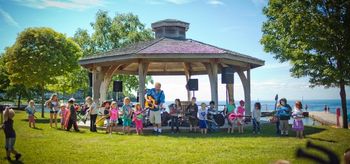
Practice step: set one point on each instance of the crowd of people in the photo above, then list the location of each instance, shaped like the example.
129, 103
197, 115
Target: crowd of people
134, 115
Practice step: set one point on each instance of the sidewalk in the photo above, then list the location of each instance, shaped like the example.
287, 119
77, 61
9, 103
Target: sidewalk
326, 118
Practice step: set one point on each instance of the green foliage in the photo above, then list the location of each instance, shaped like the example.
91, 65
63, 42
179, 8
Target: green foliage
110, 33
313, 35
39, 55
71, 82
4, 80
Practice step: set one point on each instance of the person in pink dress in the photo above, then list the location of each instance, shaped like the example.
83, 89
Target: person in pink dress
240, 115
63, 113
138, 116
114, 115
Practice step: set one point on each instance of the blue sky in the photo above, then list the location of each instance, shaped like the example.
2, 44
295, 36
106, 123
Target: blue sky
230, 24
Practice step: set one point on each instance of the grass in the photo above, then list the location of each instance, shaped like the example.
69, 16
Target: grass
50, 145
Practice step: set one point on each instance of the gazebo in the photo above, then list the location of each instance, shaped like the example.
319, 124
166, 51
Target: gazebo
170, 53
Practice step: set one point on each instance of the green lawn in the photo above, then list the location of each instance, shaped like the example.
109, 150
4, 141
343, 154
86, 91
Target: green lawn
46, 145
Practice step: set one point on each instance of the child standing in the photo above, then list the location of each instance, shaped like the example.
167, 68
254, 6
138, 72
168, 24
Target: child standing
126, 113
298, 125
192, 110
30, 109
283, 113
256, 117
72, 116
106, 115
63, 113
113, 116
230, 109
10, 134
202, 116
240, 116
138, 116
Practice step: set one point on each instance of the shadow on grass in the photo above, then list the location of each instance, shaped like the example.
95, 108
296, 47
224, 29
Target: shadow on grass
41, 120
267, 130
13, 161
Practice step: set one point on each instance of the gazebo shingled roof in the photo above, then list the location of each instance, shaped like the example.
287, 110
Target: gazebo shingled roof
169, 54
173, 50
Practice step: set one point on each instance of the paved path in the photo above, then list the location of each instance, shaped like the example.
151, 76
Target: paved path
326, 118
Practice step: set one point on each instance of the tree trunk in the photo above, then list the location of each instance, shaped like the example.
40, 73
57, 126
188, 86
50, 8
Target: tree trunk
19, 100
42, 101
343, 104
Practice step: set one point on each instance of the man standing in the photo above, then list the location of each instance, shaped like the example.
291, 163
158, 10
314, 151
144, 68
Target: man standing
158, 95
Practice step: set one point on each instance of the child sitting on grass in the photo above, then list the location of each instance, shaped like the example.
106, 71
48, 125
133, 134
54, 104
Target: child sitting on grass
113, 113
10, 134
138, 116
30, 109
202, 116
240, 115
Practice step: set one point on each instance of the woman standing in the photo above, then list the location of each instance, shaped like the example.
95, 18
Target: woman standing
93, 111
53, 105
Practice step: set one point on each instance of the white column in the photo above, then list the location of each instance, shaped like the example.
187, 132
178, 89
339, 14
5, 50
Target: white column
97, 77
142, 78
246, 87
247, 95
212, 69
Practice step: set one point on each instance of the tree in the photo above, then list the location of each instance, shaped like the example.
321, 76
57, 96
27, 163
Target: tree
314, 36
39, 56
12, 91
71, 82
110, 33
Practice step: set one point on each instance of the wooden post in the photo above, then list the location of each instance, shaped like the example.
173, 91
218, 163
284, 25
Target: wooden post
246, 87
212, 69
247, 95
97, 77
230, 91
142, 70
187, 70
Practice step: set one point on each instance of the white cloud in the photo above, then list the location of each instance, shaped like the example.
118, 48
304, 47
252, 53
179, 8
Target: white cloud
176, 2
8, 18
69, 4
276, 66
179, 2
215, 2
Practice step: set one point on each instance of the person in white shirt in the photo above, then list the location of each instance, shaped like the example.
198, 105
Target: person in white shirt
256, 117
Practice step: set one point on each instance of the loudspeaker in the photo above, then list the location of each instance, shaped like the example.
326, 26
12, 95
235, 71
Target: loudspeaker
192, 85
90, 79
117, 86
227, 74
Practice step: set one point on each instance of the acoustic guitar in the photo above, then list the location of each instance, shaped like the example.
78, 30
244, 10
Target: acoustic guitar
150, 105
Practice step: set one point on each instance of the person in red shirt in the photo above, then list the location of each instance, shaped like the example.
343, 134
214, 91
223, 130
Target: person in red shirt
338, 116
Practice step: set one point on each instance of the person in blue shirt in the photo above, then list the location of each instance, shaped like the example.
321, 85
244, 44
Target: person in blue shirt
158, 95
284, 112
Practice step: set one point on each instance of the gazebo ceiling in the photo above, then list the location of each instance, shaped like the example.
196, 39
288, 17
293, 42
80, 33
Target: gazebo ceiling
166, 56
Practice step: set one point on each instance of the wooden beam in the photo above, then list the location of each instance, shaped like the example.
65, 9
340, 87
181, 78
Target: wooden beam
142, 72
212, 69
246, 88
187, 70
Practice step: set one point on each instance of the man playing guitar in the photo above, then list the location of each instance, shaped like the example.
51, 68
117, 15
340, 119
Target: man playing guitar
154, 101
